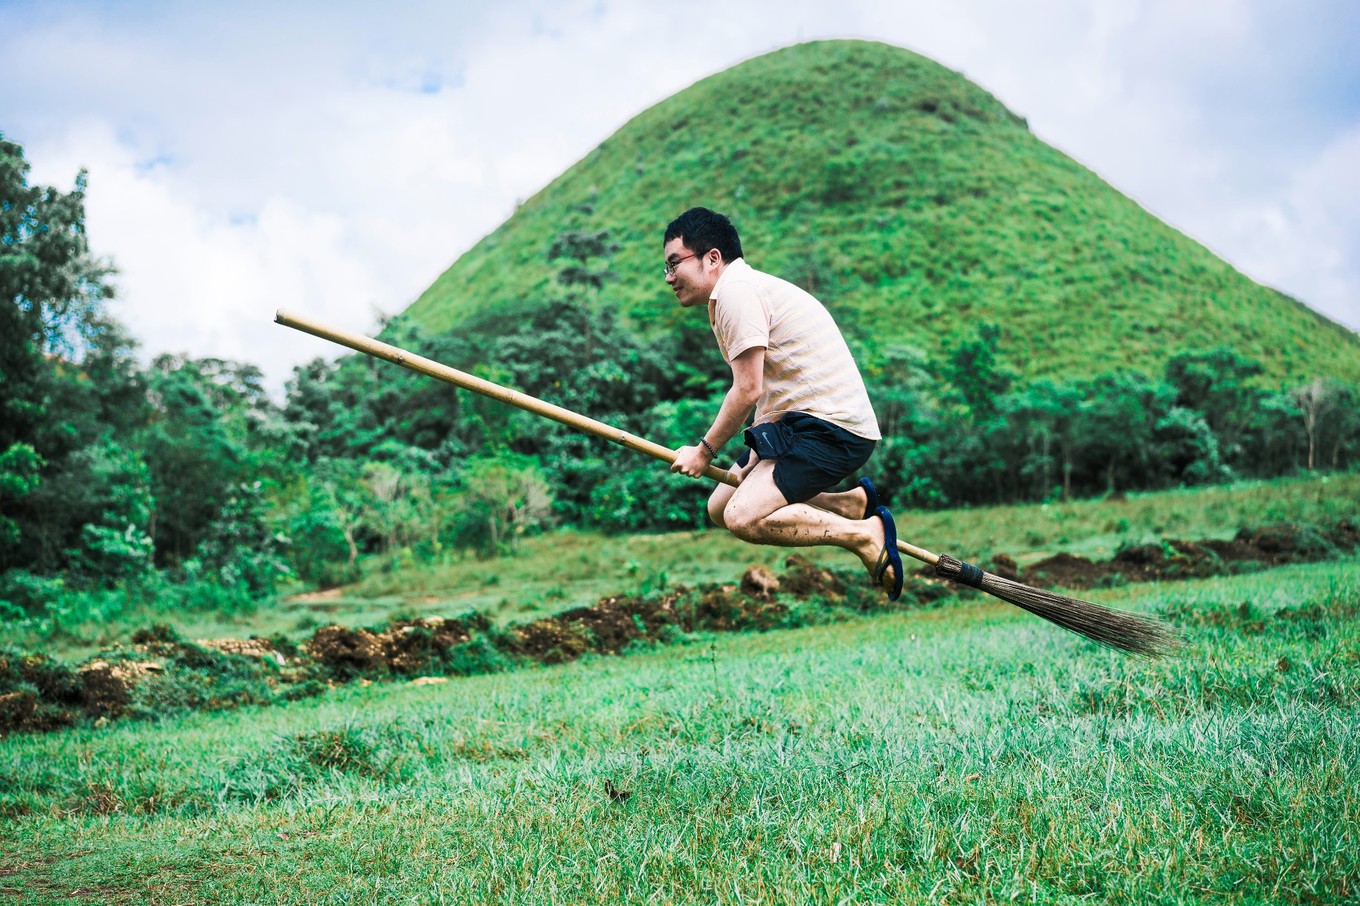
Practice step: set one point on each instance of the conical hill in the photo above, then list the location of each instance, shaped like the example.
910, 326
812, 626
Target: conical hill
915, 205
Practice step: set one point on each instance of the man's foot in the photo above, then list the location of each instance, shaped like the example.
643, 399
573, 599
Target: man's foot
870, 498
888, 558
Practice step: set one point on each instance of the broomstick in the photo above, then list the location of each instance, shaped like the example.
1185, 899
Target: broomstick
1128, 632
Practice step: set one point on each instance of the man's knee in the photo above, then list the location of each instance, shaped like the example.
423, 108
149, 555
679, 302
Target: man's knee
743, 523
715, 510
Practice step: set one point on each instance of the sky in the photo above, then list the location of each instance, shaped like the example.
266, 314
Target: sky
332, 159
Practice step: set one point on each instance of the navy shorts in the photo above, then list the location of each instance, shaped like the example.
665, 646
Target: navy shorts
810, 455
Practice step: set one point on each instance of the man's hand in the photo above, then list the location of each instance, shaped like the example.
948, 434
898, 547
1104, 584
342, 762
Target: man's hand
691, 461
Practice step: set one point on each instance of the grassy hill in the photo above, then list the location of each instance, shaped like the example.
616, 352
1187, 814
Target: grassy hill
914, 204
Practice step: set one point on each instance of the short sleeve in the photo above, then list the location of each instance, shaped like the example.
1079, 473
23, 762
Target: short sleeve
741, 319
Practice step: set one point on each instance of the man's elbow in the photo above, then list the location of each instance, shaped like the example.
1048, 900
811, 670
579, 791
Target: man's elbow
749, 395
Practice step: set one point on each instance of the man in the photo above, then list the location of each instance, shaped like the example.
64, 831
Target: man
813, 425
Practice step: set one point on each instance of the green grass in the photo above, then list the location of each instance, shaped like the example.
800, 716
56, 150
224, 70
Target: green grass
967, 753
915, 205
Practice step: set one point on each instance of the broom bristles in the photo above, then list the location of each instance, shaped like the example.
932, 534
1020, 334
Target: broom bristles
1128, 632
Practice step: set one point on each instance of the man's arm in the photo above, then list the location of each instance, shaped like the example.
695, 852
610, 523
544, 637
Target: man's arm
748, 383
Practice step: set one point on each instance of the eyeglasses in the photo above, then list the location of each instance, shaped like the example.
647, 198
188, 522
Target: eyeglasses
670, 266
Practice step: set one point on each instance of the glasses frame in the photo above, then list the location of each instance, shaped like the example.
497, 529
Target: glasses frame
668, 269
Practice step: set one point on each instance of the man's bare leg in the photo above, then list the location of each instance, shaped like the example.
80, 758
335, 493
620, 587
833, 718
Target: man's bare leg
757, 512
851, 504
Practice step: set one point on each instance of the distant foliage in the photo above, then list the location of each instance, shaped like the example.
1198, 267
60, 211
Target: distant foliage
118, 483
1205, 421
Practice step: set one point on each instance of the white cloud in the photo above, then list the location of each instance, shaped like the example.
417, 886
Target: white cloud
334, 159
1306, 241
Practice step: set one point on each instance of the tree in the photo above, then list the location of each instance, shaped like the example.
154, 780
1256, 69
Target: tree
1339, 437
52, 428
586, 253
1117, 429
973, 369
19, 468
1187, 449
503, 498
1042, 417
195, 456
1216, 384
1315, 400
51, 287
325, 520
1271, 440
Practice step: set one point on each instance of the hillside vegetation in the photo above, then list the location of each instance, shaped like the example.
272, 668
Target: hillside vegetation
914, 204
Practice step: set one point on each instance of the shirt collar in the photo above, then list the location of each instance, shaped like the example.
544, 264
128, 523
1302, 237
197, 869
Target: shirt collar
738, 264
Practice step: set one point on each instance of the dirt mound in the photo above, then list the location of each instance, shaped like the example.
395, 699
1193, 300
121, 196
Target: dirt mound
759, 582
106, 688
615, 622
549, 641
606, 627
39, 693
404, 648
1004, 567
803, 579
25, 710
723, 608
1251, 548
252, 647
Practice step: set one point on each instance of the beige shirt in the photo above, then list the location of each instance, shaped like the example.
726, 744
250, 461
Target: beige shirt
808, 366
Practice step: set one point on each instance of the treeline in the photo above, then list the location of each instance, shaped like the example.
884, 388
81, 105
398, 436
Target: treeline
963, 431
182, 482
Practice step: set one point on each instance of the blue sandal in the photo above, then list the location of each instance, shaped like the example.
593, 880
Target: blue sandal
889, 555
870, 508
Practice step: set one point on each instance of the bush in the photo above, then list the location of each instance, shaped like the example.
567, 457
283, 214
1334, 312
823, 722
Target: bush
648, 499
25, 592
36, 692
320, 551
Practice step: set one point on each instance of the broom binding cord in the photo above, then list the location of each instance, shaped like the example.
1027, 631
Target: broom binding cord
1117, 629
958, 571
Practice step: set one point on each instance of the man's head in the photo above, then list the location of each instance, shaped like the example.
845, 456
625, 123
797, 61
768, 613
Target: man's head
698, 245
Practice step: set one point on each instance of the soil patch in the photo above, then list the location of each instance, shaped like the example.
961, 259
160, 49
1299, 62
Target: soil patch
1250, 549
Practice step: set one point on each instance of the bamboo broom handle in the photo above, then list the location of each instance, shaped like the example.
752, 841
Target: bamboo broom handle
431, 368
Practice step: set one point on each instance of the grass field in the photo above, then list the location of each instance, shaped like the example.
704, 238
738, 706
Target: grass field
962, 753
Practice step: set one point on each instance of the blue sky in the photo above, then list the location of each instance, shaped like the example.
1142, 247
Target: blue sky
333, 158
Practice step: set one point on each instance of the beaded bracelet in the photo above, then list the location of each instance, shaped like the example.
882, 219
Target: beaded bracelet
709, 447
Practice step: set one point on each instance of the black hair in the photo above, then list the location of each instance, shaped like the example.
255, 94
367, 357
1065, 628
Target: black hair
701, 230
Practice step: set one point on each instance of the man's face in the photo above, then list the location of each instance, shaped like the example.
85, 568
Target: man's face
692, 277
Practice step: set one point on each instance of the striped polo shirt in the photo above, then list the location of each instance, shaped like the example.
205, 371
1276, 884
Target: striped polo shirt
808, 366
